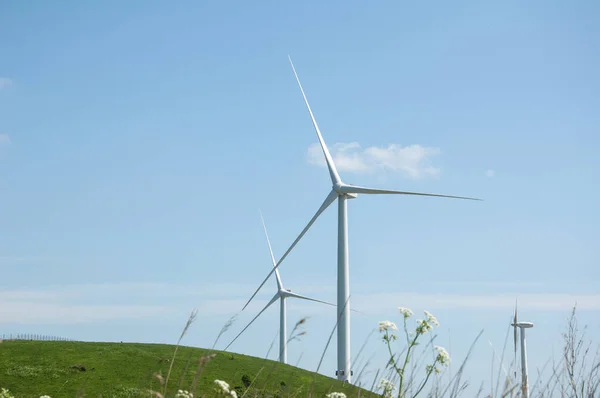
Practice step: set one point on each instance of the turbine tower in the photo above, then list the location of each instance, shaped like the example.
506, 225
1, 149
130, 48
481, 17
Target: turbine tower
524, 376
342, 192
281, 295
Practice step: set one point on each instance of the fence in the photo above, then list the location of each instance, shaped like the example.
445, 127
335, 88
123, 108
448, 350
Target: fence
33, 337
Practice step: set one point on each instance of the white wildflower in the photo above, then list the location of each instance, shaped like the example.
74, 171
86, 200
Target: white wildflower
423, 326
225, 389
45, 396
388, 388
223, 385
431, 318
387, 325
184, 394
336, 395
442, 357
406, 312
5, 393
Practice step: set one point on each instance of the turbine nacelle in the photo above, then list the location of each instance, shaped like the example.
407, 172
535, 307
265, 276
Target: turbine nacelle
523, 325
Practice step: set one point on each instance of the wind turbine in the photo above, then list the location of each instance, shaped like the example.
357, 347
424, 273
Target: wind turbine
342, 192
524, 377
281, 295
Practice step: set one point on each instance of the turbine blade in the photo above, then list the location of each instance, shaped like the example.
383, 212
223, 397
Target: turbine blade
328, 200
253, 319
279, 283
291, 294
335, 177
356, 189
299, 296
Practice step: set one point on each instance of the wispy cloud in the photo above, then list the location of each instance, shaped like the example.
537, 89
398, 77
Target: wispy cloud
490, 173
519, 284
84, 303
77, 304
104, 302
411, 161
4, 139
532, 301
39, 312
5, 82
124, 291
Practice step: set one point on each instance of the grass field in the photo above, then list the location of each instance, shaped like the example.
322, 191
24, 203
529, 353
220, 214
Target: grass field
34, 368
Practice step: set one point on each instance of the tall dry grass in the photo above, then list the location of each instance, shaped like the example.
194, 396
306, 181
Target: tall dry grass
575, 375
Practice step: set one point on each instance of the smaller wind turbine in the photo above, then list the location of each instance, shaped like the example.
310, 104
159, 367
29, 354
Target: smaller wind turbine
524, 377
281, 295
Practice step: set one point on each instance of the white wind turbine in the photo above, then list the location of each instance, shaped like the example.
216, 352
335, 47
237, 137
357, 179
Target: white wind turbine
524, 376
341, 192
281, 295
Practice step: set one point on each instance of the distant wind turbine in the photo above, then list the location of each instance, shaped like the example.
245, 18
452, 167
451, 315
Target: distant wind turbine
281, 295
341, 192
524, 376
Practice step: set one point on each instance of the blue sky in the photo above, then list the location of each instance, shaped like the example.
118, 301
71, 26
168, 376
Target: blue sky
139, 140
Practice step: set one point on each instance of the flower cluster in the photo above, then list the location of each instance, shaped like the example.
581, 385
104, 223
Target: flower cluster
4, 393
431, 318
184, 394
388, 388
442, 357
406, 312
425, 325
223, 388
336, 395
387, 325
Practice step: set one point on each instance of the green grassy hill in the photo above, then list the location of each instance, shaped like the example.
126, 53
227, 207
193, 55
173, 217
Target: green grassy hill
71, 369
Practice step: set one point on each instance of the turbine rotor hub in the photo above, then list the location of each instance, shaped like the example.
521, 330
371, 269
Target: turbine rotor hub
341, 189
337, 187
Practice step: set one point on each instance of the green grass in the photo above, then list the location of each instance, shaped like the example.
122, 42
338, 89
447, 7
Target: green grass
34, 368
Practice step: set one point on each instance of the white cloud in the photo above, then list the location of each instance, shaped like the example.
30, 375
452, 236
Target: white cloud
412, 161
4, 139
490, 173
5, 82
